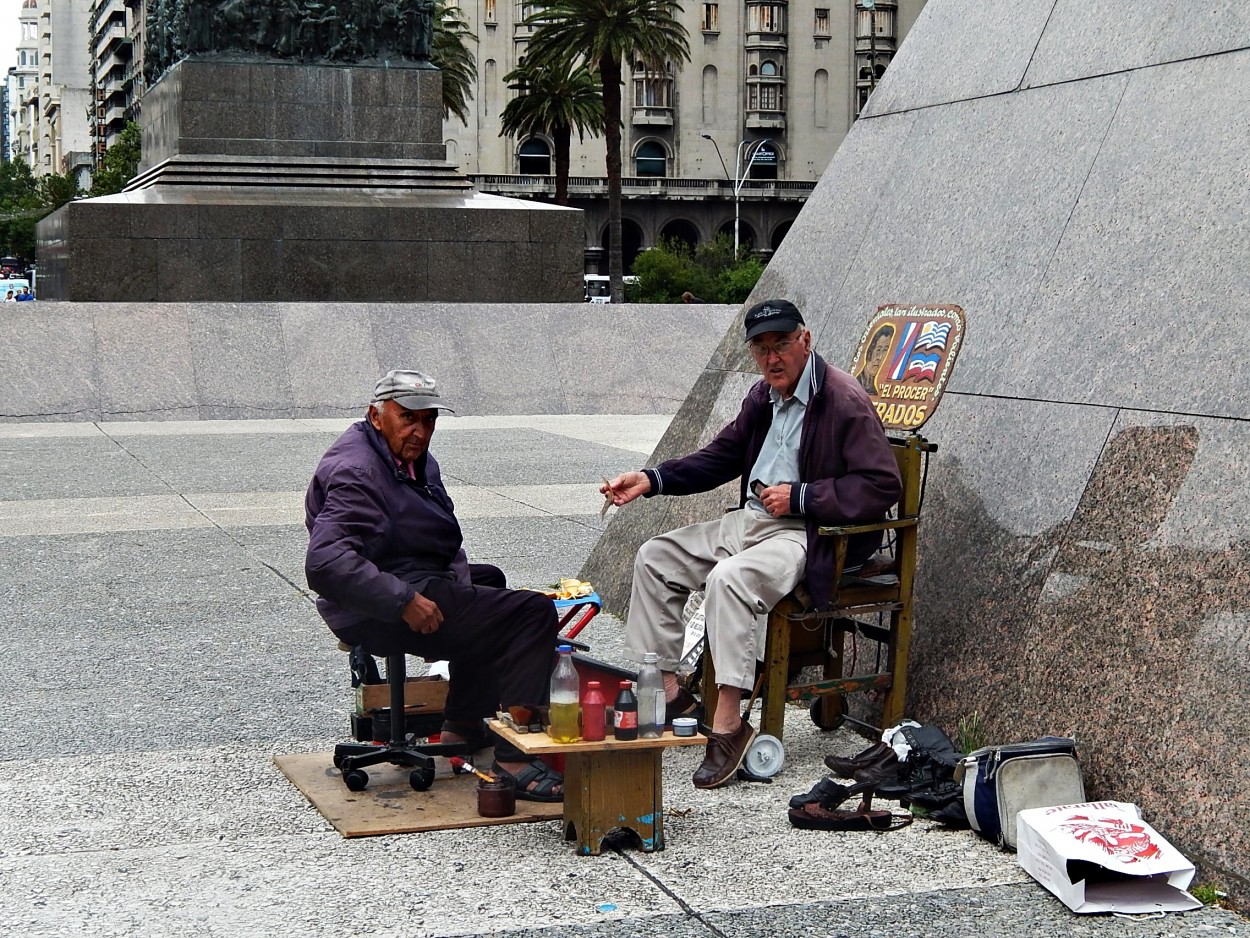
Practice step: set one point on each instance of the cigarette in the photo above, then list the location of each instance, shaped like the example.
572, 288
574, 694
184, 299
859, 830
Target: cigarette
607, 497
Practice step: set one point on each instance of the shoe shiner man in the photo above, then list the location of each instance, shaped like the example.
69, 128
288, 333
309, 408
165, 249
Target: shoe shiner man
385, 557
808, 450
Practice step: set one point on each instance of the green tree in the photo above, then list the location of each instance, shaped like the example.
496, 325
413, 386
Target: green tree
449, 50
711, 272
119, 164
607, 33
26, 198
554, 99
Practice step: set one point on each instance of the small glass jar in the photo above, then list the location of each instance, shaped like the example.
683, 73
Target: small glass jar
497, 798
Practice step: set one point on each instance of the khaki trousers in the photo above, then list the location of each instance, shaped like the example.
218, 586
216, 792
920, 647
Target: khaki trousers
745, 562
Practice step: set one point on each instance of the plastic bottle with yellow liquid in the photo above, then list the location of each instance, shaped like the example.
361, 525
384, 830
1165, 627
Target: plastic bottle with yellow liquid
565, 709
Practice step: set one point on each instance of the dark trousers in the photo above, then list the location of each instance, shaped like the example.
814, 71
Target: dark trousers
499, 645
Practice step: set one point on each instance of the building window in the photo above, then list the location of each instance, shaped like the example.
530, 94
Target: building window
651, 160
709, 21
770, 97
534, 158
653, 88
821, 27
769, 69
766, 18
882, 23
490, 11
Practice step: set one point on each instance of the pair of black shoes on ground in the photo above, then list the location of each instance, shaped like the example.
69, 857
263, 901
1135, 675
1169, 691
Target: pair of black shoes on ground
922, 781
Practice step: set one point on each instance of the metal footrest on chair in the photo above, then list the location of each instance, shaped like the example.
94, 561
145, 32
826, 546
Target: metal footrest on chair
838, 685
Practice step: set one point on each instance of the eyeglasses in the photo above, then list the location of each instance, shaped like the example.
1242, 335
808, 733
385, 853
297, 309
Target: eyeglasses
760, 350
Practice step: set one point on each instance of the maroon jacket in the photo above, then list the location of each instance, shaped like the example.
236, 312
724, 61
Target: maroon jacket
847, 470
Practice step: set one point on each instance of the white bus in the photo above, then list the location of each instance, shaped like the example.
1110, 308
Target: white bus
599, 289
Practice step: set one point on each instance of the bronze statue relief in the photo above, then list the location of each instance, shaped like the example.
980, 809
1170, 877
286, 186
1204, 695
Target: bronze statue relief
339, 31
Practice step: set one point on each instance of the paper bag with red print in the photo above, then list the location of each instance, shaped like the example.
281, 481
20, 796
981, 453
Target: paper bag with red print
1102, 857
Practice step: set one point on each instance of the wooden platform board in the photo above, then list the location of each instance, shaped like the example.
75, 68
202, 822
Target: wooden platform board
390, 806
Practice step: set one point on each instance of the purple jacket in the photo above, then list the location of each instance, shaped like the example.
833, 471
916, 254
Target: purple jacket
847, 471
376, 536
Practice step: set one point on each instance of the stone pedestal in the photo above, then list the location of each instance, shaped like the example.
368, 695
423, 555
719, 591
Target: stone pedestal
273, 181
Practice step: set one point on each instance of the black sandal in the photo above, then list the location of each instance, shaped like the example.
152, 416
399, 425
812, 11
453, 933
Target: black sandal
538, 773
814, 817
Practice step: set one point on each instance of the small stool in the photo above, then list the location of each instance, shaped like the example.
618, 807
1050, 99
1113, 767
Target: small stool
607, 785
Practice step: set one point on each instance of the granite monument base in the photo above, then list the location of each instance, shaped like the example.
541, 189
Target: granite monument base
279, 181
267, 246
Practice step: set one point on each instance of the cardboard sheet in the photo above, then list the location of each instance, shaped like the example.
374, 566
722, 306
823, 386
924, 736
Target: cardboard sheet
390, 806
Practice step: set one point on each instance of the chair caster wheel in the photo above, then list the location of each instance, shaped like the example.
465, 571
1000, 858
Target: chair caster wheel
338, 761
765, 757
421, 779
821, 719
356, 780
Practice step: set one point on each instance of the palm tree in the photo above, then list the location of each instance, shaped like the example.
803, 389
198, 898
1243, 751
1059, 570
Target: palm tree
607, 33
449, 50
554, 98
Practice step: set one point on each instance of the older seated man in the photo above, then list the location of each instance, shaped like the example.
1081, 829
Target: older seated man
809, 450
385, 556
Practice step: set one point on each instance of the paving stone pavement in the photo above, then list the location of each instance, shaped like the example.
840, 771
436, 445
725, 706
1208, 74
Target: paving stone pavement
160, 648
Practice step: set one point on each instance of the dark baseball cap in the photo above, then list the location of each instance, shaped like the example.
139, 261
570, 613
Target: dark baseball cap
411, 390
772, 316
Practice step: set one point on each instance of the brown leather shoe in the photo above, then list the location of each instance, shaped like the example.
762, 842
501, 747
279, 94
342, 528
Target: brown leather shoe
878, 757
725, 752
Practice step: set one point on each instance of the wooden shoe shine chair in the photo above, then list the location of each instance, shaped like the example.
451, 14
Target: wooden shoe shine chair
875, 602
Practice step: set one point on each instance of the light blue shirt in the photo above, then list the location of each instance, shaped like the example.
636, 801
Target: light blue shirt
778, 461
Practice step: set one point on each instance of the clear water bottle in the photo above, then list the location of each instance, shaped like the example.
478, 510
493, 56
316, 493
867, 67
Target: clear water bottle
565, 711
650, 697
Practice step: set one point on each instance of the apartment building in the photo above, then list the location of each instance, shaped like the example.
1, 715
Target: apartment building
23, 82
64, 97
114, 37
771, 89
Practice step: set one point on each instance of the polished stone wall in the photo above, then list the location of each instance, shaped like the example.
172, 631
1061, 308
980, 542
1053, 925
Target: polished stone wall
285, 109
1081, 193
188, 361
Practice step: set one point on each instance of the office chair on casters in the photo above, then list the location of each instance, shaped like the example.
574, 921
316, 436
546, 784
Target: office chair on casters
353, 758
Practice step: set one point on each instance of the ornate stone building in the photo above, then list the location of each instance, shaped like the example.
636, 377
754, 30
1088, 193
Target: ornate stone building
23, 114
64, 144
778, 82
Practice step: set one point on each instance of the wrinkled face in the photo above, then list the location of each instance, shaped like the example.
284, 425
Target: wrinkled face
781, 357
407, 432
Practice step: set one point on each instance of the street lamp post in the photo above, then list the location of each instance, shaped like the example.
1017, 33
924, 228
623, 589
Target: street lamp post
740, 174
869, 6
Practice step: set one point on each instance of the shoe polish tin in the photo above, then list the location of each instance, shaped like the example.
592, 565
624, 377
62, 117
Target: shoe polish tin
685, 726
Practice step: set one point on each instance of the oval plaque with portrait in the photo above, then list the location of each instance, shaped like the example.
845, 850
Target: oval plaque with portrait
905, 358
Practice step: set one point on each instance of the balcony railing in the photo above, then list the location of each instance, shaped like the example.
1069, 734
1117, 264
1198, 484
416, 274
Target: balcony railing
645, 116
647, 187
